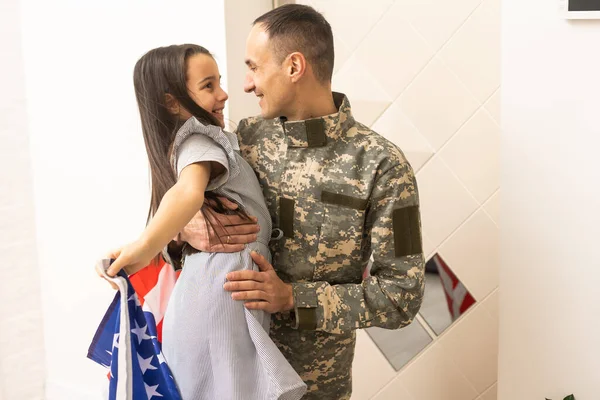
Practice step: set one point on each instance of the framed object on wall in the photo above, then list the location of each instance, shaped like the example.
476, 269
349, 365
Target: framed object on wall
580, 9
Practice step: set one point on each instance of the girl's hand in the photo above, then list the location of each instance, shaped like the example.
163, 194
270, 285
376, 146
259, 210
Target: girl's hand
101, 271
132, 258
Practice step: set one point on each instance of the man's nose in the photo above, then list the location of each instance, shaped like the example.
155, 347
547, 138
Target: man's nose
248, 83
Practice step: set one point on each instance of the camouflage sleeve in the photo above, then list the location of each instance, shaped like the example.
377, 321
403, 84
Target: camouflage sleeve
391, 296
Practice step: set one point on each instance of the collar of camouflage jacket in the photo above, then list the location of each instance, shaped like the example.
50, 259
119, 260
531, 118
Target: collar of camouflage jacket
315, 132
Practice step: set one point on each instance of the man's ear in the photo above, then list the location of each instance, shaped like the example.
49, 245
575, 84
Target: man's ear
172, 104
297, 66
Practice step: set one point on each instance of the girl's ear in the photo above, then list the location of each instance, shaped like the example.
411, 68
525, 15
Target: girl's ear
172, 104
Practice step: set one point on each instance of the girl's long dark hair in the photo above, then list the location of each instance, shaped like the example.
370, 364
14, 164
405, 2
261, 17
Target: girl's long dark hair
159, 72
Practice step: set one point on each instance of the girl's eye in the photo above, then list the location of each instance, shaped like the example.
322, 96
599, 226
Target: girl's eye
208, 86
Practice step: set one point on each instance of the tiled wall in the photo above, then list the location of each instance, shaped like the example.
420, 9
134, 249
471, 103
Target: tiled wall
21, 342
425, 74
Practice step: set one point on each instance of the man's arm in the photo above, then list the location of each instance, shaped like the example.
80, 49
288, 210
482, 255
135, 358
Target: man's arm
391, 296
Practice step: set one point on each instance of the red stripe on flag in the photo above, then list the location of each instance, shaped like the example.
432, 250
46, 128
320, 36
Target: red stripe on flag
145, 279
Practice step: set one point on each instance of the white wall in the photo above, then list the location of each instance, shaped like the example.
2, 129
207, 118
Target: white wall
89, 163
550, 207
22, 366
239, 15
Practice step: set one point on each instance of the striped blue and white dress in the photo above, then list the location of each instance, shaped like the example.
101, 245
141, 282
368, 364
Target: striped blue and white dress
215, 347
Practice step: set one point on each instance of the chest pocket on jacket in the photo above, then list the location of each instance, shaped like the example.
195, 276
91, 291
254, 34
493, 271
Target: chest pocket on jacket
339, 253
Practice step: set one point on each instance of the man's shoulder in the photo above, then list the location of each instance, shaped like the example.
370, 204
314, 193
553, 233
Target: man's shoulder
250, 122
376, 145
251, 129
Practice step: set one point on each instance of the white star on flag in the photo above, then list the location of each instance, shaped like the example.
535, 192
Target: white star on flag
115, 341
161, 358
136, 299
140, 332
145, 363
151, 391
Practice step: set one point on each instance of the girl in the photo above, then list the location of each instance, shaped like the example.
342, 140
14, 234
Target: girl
214, 346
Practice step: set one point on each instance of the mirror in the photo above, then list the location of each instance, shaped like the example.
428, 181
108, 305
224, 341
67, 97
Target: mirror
446, 299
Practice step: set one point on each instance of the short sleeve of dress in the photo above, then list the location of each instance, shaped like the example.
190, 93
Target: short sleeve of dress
201, 148
197, 142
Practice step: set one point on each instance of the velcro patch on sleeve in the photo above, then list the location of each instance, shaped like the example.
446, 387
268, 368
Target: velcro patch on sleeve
407, 231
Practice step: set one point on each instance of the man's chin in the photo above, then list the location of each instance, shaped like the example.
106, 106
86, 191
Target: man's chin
267, 115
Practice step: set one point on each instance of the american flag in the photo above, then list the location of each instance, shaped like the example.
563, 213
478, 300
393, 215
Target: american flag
459, 299
128, 340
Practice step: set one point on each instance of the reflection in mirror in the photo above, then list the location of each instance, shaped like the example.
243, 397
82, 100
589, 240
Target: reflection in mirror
446, 298
399, 346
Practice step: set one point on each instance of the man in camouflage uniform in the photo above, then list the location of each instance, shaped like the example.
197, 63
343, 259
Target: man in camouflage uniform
338, 193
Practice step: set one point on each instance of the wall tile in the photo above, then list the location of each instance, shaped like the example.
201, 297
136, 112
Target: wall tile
342, 53
394, 391
370, 370
395, 126
479, 35
472, 251
492, 207
437, 103
473, 154
445, 203
473, 345
368, 99
394, 52
491, 304
343, 19
493, 106
437, 20
428, 247
435, 376
490, 394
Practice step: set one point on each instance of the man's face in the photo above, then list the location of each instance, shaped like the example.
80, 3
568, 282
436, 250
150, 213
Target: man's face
266, 77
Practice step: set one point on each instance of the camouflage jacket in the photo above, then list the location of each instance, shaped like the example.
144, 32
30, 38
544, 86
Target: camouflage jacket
339, 192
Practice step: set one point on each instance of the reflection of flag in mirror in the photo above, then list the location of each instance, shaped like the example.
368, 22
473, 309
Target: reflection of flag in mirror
458, 297
128, 338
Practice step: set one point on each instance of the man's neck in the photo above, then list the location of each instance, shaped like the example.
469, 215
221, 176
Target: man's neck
316, 102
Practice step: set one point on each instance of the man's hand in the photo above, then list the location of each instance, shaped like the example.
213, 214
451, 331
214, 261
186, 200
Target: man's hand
261, 290
219, 233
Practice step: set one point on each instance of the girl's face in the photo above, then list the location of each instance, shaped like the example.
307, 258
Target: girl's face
204, 86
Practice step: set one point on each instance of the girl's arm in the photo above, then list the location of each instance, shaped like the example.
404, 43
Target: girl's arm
176, 209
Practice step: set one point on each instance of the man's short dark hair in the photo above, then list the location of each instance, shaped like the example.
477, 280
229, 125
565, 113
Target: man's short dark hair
296, 27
